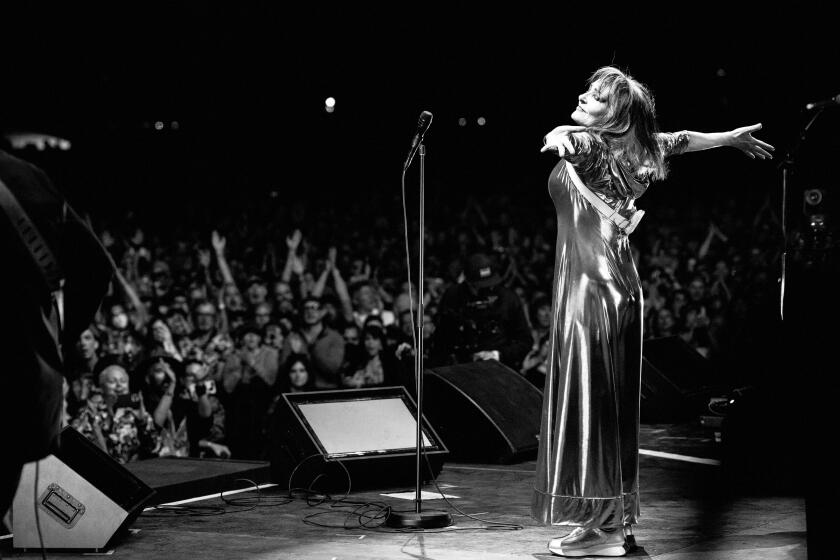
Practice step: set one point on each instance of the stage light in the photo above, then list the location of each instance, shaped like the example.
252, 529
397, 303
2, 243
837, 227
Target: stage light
813, 197
481, 121
462, 121
158, 125
329, 104
175, 125
38, 140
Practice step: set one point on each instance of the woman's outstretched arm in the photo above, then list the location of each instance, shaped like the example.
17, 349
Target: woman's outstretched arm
740, 138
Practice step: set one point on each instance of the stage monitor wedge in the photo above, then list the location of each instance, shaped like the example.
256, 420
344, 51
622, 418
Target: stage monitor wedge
677, 381
486, 412
83, 497
350, 438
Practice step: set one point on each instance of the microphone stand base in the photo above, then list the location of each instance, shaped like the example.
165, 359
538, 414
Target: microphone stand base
418, 520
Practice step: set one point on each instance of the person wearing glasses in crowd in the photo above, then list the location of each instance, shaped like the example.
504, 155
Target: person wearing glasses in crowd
323, 345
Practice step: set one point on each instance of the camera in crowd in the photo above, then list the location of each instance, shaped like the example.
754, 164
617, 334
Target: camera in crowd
192, 391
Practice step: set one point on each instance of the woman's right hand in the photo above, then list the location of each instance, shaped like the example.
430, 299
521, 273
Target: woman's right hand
558, 140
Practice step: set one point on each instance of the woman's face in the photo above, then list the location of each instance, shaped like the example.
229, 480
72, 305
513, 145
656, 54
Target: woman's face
262, 314
665, 320
119, 318
366, 298
544, 316
205, 317
185, 345
351, 335
428, 326
373, 345
114, 381
591, 106
256, 293
157, 375
178, 325
282, 292
81, 387
234, 301
298, 376
251, 340
160, 331
88, 344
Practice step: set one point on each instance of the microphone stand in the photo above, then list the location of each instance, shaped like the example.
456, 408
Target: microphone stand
419, 519
786, 165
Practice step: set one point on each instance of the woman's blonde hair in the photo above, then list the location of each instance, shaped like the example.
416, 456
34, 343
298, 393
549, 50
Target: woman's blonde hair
629, 127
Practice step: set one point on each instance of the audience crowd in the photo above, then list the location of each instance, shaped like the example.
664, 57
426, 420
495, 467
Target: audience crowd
216, 313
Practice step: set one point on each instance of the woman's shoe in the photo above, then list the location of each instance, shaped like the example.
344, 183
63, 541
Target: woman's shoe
556, 544
590, 542
629, 539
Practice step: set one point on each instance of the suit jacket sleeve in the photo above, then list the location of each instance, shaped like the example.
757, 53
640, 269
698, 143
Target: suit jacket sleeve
88, 270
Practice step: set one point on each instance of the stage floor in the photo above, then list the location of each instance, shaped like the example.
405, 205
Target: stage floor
688, 512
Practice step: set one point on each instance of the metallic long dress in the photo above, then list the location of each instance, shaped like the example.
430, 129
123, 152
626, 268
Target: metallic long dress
588, 460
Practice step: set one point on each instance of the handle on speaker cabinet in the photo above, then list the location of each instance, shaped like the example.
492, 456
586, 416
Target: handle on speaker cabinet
61, 505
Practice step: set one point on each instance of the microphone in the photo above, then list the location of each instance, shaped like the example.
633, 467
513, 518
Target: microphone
823, 104
422, 126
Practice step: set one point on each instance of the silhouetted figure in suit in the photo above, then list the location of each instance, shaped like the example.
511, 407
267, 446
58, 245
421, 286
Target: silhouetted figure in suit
31, 329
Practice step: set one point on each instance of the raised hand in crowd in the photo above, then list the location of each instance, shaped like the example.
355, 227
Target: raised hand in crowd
293, 241
361, 273
269, 264
219, 242
294, 264
332, 253
204, 258
404, 350
711, 233
163, 336
340, 286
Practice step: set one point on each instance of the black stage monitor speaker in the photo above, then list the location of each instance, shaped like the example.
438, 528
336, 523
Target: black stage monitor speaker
350, 438
83, 497
677, 381
484, 410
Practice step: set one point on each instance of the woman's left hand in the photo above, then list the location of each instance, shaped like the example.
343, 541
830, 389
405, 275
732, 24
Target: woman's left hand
742, 139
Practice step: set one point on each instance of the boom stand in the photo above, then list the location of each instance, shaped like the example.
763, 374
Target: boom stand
786, 165
419, 519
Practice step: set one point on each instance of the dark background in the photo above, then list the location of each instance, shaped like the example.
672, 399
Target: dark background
247, 84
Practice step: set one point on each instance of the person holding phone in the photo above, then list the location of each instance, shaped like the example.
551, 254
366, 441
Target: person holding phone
116, 419
199, 406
